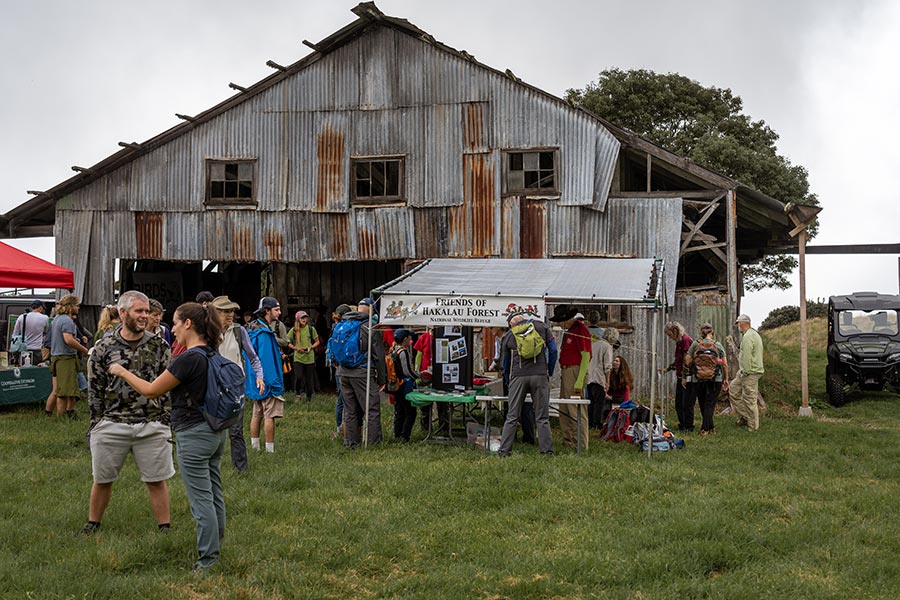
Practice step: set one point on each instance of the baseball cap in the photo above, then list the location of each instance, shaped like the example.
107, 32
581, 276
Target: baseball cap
579, 316
342, 310
37, 304
366, 301
300, 314
204, 296
742, 319
224, 303
706, 327
267, 302
400, 335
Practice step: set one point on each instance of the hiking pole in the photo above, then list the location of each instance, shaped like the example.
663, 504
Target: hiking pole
368, 382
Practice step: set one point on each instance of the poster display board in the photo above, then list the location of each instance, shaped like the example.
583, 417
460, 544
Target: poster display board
473, 311
452, 357
21, 385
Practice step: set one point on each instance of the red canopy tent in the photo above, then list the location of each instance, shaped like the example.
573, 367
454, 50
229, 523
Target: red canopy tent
21, 270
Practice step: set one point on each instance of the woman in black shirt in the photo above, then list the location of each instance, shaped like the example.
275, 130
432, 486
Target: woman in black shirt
199, 447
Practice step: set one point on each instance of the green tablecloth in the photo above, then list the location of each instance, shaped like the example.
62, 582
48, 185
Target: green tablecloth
420, 399
21, 385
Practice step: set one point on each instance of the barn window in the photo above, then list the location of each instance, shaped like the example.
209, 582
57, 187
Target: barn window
531, 172
231, 182
378, 180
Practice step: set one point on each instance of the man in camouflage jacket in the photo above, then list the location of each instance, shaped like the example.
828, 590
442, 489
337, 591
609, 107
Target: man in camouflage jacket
122, 420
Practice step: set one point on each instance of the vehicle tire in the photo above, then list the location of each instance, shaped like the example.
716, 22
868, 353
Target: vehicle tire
835, 389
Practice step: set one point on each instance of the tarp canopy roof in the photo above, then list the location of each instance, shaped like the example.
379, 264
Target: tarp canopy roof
21, 270
554, 280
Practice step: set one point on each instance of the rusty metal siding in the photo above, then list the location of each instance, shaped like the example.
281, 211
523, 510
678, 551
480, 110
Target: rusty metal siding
181, 240
638, 227
378, 133
91, 197
332, 162
101, 268
414, 76
509, 236
383, 233
301, 161
532, 228
148, 233
478, 195
443, 156
378, 69
476, 127
431, 232
72, 231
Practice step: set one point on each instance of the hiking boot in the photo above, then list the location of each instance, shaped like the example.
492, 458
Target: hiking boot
90, 529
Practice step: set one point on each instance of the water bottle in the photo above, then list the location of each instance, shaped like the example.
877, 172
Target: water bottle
26, 359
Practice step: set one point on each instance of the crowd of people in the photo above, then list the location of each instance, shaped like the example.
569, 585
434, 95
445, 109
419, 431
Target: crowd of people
146, 383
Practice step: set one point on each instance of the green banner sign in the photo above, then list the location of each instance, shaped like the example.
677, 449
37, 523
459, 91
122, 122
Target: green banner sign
24, 385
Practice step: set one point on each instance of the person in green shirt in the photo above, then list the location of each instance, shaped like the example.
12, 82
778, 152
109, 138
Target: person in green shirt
744, 388
305, 340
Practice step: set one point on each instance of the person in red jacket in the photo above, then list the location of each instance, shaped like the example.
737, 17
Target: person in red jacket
574, 358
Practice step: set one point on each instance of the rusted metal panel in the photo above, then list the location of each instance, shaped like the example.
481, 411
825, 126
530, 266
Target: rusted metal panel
72, 231
383, 233
378, 69
509, 237
149, 182
299, 168
532, 228
378, 133
332, 168
431, 232
148, 232
91, 197
478, 194
101, 272
443, 156
476, 127
460, 230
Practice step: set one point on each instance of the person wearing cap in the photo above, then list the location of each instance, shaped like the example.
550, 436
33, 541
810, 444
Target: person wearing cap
30, 326
527, 376
705, 391
268, 404
574, 359
598, 374
405, 413
744, 392
336, 316
353, 378
684, 397
236, 346
155, 324
305, 340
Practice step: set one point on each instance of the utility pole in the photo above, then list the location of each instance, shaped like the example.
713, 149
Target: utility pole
802, 217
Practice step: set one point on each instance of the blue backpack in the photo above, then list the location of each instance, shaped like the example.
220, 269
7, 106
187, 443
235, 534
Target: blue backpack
344, 344
224, 401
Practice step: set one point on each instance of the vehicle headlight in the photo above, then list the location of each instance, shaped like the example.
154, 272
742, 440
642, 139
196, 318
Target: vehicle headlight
846, 357
894, 357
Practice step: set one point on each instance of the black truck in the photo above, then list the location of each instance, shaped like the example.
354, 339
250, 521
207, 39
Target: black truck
863, 344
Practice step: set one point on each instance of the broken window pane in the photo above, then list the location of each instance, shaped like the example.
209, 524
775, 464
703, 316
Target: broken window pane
546, 160
392, 175
363, 188
515, 161
378, 178
231, 189
546, 182
231, 171
245, 190
362, 170
531, 179
217, 189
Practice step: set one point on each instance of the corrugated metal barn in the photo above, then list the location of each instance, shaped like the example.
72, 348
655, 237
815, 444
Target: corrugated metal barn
381, 147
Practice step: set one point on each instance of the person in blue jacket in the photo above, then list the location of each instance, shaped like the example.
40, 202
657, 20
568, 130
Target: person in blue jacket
268, 405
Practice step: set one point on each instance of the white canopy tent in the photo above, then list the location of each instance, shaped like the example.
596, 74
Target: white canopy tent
481, 292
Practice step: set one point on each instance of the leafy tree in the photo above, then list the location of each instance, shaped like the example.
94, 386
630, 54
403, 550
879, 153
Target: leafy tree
707, 125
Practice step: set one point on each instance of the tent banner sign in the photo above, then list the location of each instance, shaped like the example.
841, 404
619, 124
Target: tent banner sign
474, 311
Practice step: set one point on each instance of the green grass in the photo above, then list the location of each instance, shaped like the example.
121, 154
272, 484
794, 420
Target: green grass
805, 508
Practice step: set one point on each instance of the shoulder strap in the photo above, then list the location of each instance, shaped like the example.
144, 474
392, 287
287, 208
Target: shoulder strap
238, 338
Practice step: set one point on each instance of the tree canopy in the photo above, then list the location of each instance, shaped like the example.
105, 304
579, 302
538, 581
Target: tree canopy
708, 126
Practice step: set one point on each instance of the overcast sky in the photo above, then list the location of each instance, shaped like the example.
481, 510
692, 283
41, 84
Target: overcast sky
78, 77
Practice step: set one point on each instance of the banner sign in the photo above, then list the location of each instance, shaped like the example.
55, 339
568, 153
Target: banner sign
24, 385
474, 311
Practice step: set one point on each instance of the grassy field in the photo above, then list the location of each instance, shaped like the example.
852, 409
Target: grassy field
805, 508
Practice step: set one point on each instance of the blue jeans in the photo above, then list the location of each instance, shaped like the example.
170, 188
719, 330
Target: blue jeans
200, 452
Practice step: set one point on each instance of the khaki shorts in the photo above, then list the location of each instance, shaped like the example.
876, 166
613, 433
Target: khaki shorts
148, 443
270, 408
65, 369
